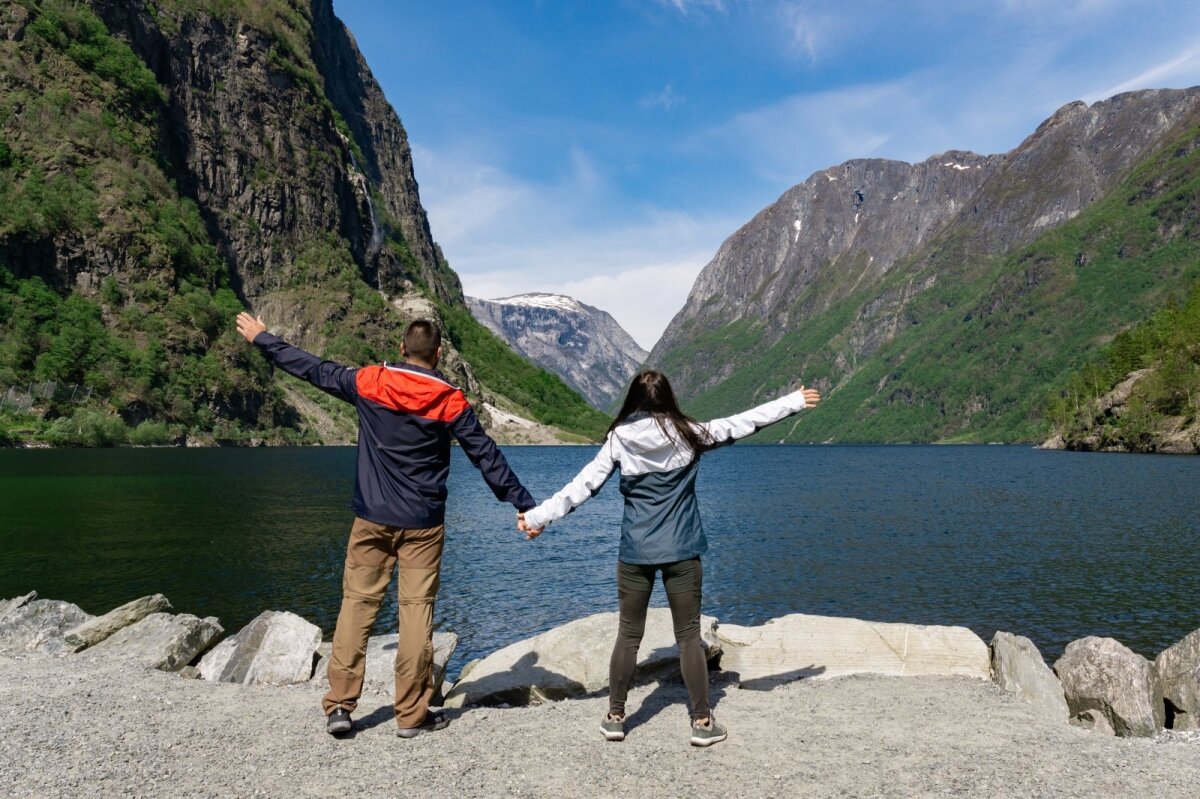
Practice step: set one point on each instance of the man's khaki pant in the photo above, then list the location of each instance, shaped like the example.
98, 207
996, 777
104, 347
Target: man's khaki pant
373, 552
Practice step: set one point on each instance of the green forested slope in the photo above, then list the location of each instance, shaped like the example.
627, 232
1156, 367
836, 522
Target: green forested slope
981, 354
111, 279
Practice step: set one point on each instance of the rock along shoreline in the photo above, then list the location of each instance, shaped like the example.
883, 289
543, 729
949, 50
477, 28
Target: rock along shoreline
76, 681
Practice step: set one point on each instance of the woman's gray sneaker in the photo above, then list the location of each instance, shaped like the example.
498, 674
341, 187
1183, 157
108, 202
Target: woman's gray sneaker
613, 729
707, 735
432, 723
338, 722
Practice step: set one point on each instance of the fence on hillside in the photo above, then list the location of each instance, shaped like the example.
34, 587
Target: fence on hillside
20, 399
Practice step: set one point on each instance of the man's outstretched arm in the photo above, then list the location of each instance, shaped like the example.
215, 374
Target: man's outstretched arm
490, 461
328, 376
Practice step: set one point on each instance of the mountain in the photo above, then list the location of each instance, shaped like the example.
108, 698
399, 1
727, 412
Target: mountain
1142, 394
583, 345
948, 300
165, 163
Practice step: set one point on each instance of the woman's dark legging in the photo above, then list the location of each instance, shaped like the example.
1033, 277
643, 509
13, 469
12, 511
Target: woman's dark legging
683, 581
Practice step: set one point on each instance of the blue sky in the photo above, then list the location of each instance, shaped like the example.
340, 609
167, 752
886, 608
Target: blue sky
606, 149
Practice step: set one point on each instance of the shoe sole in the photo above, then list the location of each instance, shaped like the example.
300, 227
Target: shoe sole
612, 736
709, 741
338, 727
413, 732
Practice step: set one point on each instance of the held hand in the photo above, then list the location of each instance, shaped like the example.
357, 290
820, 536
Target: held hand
811, 397
529, 532
249, 326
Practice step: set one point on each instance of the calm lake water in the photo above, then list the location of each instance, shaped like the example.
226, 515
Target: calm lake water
1050, 545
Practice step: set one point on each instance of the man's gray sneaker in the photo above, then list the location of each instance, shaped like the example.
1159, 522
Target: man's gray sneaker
707, 735
613, 729
338, 722
432, 723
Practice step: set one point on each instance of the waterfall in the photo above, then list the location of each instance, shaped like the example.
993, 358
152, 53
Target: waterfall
375, 243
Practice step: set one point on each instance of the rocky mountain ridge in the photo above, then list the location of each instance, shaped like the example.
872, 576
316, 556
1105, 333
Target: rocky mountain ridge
831, 275
581, 344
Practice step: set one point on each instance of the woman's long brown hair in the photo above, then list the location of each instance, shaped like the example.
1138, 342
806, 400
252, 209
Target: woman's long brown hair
650, 392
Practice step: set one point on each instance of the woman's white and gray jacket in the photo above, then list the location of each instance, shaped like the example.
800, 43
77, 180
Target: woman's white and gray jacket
658, 480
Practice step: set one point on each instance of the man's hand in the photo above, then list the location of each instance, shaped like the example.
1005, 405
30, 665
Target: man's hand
811, 397
529, 532
250, 326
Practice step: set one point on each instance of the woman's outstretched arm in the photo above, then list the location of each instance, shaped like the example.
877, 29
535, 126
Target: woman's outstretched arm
731, 428
586, 485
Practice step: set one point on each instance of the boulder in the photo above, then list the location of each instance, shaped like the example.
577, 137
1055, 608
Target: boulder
1178, 669
96, 630
162, 640
8, 606
800, 646
1055, 442
1104, 675
275, 648
1094, 721
571, 660
381, 659
38, 625
1018, 667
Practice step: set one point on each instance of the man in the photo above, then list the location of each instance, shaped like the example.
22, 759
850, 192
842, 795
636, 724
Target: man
406, 416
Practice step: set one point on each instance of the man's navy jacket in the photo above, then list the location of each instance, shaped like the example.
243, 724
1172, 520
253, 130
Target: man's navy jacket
406, 415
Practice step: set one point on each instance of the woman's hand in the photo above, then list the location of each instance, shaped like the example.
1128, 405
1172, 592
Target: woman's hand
811, 397
529, 532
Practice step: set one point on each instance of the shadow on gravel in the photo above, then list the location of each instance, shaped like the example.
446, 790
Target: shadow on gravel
373, 719
671, 692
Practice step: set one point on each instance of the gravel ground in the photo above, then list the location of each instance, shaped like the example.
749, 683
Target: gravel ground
84, 726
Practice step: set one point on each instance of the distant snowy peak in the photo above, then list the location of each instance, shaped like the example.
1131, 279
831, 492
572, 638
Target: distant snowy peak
557, 302
583, 345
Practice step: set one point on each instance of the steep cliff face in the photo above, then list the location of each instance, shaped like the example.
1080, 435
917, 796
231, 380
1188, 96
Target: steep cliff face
583, 345
855, 316
280, 133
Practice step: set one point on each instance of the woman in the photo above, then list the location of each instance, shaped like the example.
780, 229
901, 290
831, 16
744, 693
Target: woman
657, 448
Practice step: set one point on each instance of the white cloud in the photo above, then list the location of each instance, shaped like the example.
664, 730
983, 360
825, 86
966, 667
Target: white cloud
686, 7
573, 235
666, 99
810, 33
1181, 70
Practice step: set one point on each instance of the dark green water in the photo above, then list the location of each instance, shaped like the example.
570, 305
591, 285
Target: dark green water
1054, 546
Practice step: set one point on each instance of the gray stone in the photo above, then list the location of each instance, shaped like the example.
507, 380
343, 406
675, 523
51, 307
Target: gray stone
1018, 667
38, 625
1093, 720
275, 648
800, 646
8, 606
1178, 670
162, 640
1104, 675
96, 630
381, 659
571, 660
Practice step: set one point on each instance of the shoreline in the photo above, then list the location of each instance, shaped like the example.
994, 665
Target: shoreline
93, 727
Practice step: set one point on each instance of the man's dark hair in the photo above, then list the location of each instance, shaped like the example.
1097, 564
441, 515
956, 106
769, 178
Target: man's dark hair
421, 340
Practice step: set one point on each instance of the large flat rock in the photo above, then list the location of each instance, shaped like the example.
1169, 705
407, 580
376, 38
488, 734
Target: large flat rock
1178, 669
800, 646
1018, 667
1105, 676
381, 660
275, 648
571, 660
95, 630
161, 640
37, 625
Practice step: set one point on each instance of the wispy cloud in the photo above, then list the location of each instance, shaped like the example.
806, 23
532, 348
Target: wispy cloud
689, 7
667, 99
809, 32
1180, 70
508, 235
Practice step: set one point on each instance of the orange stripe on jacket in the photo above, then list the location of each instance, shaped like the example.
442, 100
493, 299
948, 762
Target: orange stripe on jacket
411, 392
